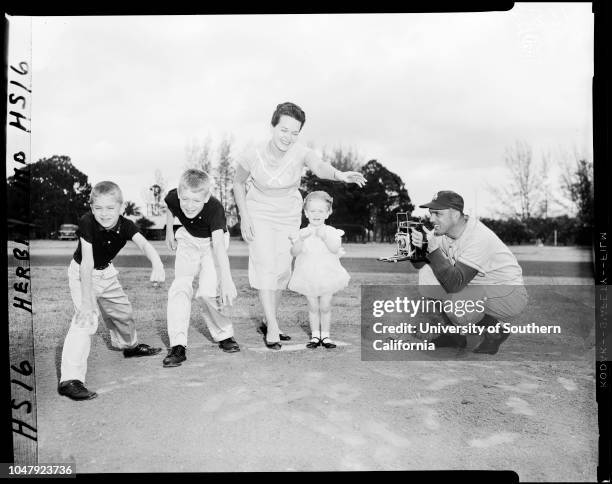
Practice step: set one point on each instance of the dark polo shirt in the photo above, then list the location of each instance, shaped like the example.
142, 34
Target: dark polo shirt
106, 243
210, 218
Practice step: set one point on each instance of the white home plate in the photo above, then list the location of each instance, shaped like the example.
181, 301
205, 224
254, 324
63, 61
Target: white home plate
293, 347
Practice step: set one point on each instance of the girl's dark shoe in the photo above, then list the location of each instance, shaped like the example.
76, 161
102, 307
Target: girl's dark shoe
328, 343
314, 343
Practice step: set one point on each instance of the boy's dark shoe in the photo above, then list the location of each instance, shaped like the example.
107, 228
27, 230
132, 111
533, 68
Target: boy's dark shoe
229, 345
140, 350
75, 390
490, 345
446, 340
175, 357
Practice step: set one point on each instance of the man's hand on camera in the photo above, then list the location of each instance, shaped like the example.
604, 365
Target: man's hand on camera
417, 239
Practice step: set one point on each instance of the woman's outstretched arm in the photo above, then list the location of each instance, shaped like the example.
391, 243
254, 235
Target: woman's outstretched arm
326, 171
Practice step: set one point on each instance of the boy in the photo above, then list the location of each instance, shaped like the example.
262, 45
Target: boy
93, 283
204, 225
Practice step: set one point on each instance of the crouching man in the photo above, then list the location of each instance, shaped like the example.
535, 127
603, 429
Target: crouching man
467, 261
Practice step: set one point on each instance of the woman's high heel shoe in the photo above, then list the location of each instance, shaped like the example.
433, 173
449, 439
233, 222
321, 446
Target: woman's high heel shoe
263, 329
273, 346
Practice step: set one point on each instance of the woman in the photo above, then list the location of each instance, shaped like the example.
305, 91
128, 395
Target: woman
272, 208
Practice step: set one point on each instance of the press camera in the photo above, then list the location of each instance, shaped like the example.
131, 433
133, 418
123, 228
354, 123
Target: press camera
405, 249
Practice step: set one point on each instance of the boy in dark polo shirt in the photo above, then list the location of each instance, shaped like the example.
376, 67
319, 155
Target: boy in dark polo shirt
95, 289
201, 250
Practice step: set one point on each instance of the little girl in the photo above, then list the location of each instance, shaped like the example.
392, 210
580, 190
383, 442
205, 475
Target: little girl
318, 273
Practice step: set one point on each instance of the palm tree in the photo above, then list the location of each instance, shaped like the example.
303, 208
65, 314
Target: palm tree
131, 209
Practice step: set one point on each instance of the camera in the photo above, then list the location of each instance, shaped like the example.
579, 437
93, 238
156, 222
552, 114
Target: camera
405, 249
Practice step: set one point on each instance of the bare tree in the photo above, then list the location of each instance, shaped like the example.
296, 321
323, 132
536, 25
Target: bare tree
545, 186
343, 160
199, 154
160, 181
522, 196
224, 175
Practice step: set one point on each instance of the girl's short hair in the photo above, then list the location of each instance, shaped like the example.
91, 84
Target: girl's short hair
291, 110
194, 180
106, 188
319, 195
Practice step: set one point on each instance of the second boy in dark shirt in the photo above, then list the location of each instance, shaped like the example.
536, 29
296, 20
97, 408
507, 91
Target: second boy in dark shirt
201, 250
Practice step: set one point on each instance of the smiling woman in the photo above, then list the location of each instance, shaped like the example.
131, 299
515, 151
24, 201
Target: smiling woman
271, 209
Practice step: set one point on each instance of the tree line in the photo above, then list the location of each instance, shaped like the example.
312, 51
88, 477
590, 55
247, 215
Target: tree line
59, 194
531, 192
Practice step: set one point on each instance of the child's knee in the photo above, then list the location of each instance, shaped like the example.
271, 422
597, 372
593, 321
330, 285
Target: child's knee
207, 291
325, 307
313, 305
83, 327
181, 285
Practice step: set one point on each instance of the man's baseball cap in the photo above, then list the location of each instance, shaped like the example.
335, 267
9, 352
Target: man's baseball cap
445, 199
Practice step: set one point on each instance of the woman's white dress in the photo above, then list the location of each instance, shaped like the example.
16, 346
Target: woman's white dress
274, 204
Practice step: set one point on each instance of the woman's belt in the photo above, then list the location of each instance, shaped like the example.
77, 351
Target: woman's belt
276, 192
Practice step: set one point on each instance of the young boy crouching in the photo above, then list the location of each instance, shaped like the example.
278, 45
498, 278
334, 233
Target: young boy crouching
201, 250
95, 289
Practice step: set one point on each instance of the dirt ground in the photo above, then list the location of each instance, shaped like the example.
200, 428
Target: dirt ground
318, 410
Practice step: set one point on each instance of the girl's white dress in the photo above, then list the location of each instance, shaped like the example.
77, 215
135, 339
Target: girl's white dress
318, 271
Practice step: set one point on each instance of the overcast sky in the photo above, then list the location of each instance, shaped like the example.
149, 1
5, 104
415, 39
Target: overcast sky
436, 98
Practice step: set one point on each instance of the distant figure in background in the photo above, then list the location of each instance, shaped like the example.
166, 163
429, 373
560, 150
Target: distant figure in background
467, 261
271, 210
155, 209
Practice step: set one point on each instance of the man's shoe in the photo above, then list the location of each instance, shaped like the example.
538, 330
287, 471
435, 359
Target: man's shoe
75, 390
446, 340
140, 350
229, 345
489, 345
175, 356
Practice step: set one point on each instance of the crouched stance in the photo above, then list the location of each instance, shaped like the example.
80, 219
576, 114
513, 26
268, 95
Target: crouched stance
201, 251
95, 288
